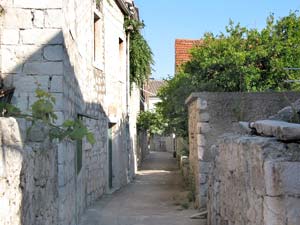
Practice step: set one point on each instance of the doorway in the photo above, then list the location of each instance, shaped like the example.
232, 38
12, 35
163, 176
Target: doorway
110, 155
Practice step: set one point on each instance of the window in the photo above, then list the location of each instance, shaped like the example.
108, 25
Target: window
97, 39
121, 52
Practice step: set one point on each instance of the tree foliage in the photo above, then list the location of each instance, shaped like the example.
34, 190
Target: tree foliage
247, 59
172, 107
153, 122
141, 57
240, 59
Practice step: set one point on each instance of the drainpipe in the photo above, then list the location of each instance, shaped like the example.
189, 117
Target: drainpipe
1, 26
127, 73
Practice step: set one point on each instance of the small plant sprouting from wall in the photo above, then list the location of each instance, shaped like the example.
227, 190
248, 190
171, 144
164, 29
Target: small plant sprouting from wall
43, 111
98, 4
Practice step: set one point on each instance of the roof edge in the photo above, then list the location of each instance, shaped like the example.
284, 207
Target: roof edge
122, 5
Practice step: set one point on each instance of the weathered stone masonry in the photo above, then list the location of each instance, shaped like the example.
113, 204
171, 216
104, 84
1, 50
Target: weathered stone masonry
213, 114
256, 181
52, 42
28, 175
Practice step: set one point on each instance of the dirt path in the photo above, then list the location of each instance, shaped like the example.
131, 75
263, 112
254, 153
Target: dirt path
156, 197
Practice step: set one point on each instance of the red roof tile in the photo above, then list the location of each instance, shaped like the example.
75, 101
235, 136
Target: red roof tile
182, 48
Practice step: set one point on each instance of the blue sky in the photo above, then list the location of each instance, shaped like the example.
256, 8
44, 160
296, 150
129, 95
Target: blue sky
167, 20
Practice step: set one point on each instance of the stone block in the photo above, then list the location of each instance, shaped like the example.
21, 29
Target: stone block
10, 37
293, 210
201, 151
30, 53
59, 104
38, 132
204, 167
203, 128
12, 135
20, 54
274, 211
53, 18
43, 68
28, 84
245, 127
281, 130
203, 179
17, 18
4, 209
41, 36
282, 178
10, 63
38, 4
53, 52
201, 140
204, 117
38, 18
20, 100
201, 104
56, 84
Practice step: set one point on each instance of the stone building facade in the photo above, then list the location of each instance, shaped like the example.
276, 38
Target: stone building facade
78, 51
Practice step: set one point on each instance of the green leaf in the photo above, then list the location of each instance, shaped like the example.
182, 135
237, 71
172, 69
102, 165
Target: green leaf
90, 138
68, 123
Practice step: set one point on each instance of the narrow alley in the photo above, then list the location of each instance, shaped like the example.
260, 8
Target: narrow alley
156, 197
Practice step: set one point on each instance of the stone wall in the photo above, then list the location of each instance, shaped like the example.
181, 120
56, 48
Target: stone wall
28, 175
52, 43
119, 110
254, 181
161, 143
84, 90
142, 147
213, 114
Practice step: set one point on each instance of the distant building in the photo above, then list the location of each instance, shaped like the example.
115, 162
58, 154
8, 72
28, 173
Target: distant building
182, 48
151, 91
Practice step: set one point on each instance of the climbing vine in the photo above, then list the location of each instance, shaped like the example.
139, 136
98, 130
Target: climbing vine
141, 56
42, 110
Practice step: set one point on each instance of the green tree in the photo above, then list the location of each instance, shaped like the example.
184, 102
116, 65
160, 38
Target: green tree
240, 59
153, 122
247, 59
172, 107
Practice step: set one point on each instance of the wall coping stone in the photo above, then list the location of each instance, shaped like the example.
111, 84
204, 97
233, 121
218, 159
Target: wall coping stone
195, 95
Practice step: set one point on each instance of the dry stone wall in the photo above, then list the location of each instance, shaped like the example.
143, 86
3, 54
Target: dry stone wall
28, 176
254, 181
213, 114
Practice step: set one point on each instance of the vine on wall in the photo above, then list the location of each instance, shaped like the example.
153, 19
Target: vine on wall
141, 56
42, 110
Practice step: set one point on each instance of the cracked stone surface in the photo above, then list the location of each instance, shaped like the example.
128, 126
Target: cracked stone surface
153, 198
